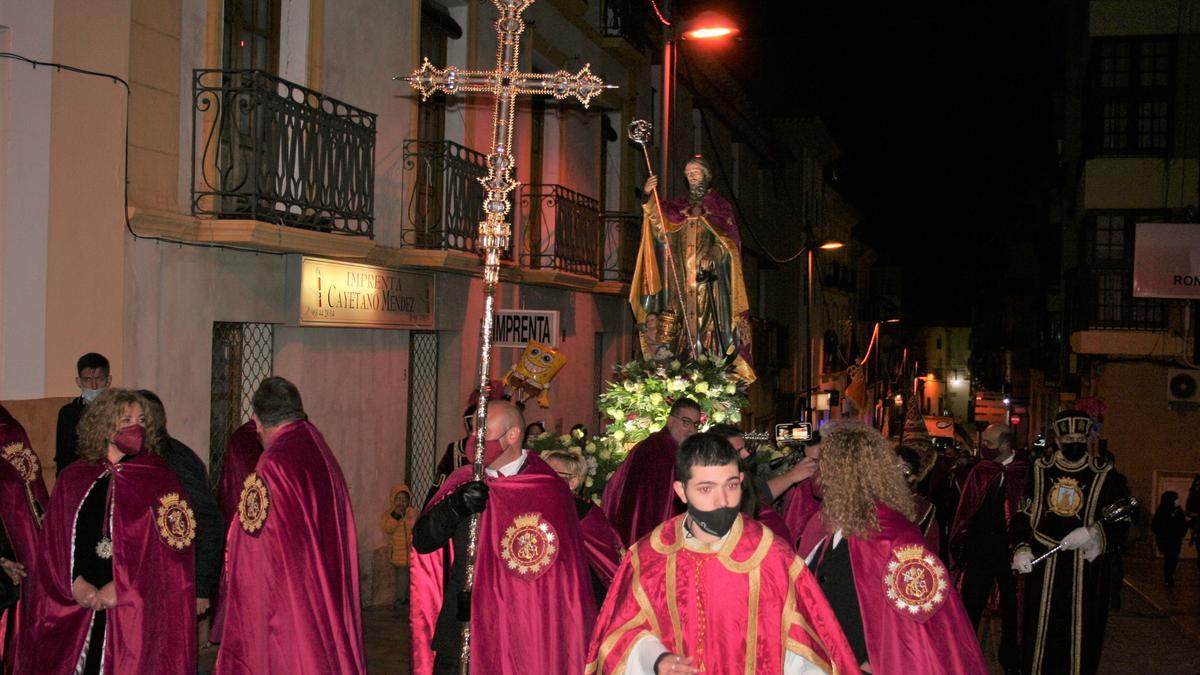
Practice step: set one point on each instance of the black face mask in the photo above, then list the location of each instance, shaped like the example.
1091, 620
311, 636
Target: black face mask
1073, 452
716, 522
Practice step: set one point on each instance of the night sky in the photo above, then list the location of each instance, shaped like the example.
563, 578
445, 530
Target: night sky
943, 112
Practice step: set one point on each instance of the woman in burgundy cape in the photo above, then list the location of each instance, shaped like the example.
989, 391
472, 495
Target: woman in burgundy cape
113, 589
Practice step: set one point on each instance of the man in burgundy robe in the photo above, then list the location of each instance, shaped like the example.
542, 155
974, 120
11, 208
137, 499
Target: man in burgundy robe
890, 591
120, 523
531, 604
715, 591
292, 600
979, 536
638, 496
23, 502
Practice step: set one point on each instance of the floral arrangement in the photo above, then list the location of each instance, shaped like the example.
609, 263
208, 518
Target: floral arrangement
638, 401
636, 404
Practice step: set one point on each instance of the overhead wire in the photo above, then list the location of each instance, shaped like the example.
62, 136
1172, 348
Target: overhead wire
117, 79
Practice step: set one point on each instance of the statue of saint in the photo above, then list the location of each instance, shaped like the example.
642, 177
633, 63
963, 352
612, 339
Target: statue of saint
689, 275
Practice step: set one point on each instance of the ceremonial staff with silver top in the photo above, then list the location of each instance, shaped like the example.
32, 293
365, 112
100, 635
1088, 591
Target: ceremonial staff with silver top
505, 82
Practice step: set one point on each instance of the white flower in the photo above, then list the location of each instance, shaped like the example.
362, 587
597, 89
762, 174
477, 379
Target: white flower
628, 384
676, 384
590, 447
701, 387
565, 439
718, 417
619, 435
655, 399
731, 388
675, 364
605, 454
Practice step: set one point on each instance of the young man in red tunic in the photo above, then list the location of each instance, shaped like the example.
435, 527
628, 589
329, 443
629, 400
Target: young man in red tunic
714, 591
891, 593
292, 602
531, 603
638, 496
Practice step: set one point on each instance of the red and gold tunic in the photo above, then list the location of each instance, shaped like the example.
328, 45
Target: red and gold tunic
739, 608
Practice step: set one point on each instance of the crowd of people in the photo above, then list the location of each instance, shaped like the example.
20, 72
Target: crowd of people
111, 571
858, 557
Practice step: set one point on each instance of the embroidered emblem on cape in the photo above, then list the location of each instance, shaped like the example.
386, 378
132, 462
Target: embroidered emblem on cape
1065, 498
529, 546
23, 459
915, 580
252, 510
176, 521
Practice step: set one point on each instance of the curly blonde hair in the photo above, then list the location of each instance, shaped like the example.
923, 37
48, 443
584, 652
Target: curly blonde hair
859, 469
100, 421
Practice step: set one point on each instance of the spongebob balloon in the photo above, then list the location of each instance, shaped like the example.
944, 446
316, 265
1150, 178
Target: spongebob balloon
530, 376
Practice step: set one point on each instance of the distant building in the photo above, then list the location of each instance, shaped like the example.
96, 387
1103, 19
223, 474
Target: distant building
1129, 152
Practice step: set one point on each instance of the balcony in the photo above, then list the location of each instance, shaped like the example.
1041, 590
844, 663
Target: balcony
561, 230
265, 149
446, 202
621, 234
630, 24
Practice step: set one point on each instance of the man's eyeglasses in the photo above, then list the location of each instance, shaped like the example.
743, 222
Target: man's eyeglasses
687, 422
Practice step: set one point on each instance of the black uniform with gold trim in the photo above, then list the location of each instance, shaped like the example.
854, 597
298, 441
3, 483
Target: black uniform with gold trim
1066, 596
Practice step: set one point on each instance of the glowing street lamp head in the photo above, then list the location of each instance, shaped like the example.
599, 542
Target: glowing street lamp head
831, 245
709, 25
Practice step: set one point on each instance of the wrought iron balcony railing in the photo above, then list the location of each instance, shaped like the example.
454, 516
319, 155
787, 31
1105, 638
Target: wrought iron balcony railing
622, 234
446, 202
561, 230
275, 151
628, 19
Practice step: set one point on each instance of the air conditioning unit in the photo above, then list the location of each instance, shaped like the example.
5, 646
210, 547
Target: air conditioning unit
1183, 386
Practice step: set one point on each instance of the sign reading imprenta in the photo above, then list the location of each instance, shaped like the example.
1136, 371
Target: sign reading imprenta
1166, 260
332, 293
516, 327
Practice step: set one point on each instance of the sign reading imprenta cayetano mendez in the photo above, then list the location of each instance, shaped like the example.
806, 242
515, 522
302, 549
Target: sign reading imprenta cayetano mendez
332, 293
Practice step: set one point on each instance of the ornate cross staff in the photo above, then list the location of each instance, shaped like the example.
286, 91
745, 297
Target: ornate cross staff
504, 82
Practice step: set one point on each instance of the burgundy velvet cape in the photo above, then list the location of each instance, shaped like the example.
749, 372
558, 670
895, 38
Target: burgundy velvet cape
639, 495
519, 624
800, 504
601, 544
734, 610
899, 640
241, 455
153, 627
18, 494
979, 482
292, 604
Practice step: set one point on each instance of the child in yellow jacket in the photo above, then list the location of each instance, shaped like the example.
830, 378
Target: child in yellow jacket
398, 522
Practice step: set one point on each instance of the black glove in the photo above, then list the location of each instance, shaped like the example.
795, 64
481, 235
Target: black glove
468, 498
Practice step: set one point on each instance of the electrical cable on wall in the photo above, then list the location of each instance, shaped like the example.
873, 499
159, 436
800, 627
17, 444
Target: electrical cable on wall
116, 79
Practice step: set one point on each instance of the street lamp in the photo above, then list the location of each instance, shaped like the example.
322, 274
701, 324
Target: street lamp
825, 245
705, 26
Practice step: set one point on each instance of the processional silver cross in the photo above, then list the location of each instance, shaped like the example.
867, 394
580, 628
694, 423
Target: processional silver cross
505, 82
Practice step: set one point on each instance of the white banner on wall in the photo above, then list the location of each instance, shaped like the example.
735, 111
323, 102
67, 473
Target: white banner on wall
1166, 260
516, 327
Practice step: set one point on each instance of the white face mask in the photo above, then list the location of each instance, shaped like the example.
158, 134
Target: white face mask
89, 395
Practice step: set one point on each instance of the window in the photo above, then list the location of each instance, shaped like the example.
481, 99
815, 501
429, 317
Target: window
242, 357
252, 35
1132, 96
1108, 273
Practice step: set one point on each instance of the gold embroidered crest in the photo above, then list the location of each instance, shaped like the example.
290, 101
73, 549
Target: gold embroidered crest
22, 458
176, 522
252, 509
1065, 498
915, 580
529, 546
